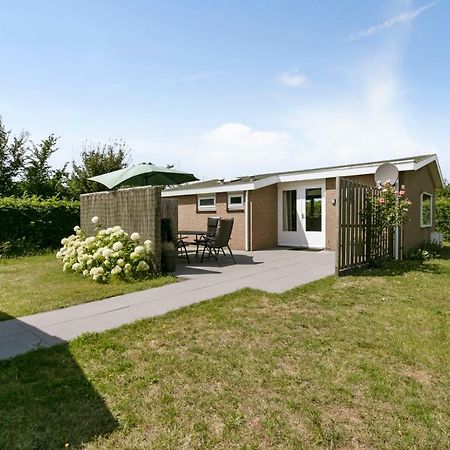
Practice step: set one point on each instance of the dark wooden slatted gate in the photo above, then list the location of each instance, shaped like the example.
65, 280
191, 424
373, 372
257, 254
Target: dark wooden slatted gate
357, 244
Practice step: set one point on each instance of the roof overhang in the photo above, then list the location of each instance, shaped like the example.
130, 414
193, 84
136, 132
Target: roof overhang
435, 170
314, 174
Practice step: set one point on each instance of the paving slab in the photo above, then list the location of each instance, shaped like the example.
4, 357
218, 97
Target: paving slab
274, 271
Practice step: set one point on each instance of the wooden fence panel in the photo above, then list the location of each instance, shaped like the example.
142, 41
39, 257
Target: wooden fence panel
357, 243
134, 209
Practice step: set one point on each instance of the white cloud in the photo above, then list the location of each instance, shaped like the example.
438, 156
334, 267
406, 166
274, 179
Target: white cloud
403, 18
229, 150
336, 133
240, 136
368, 123
364, 122
293, 78
239, 149
191, 77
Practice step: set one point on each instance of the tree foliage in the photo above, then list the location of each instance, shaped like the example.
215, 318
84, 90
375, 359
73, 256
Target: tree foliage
26, 170
39, 177
96, 159
443, 211
445, 191
12, 158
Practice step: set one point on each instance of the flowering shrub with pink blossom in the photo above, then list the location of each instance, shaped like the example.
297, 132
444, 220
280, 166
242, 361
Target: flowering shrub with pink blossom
387, 210
110, 254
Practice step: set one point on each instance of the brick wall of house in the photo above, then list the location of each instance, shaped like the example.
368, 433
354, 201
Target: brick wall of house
415, 183
263, 211
264, 218
331, 211
191, 219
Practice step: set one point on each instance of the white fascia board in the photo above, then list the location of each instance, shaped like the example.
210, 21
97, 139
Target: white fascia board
223, 188
288, 177
263, 182
342, 172
424, 162
209, 190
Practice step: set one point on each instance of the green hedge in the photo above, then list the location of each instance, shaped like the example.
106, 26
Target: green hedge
32, 224
443, 216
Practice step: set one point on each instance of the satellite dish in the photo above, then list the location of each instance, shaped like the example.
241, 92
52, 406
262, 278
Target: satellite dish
386, 173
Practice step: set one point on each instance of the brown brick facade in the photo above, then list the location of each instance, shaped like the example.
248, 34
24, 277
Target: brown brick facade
416, 183
264, 218
189, 218
263, 212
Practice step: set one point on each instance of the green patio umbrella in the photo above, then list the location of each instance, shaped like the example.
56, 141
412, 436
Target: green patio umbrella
143, 175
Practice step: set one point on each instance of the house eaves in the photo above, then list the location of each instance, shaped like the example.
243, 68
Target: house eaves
435, 169
216, 186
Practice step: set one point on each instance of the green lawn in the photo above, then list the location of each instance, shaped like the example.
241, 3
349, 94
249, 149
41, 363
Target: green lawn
36, 283
356, 362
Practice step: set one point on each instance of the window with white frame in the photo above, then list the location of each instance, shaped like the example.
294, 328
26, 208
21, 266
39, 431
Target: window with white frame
289, 210
426, 209
235, 200
206, 202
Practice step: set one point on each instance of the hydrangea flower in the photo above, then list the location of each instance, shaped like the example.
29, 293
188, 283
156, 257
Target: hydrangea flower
142, 266
94, 220
139, 250
116, 270
117, 246
90, 240
110, 253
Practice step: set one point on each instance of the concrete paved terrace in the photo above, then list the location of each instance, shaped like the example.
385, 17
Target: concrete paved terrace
272, 270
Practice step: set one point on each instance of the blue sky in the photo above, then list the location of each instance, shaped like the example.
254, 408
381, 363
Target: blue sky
228, 88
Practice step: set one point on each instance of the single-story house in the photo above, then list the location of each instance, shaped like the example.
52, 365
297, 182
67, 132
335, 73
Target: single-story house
298, 208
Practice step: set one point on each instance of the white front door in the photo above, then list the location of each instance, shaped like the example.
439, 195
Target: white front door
301, 214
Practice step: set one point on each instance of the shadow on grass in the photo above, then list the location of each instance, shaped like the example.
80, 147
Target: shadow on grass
46, 400
395, 268
4, 316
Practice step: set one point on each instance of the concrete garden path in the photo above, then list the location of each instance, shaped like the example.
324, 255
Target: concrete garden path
272, 270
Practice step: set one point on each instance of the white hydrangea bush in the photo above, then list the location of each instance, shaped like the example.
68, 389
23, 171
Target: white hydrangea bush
110, 254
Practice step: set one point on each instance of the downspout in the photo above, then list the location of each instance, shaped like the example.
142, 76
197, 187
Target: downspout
397, 228
246, 222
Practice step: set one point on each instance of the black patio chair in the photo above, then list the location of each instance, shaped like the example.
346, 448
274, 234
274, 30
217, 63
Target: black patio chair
219, 241
182, 249
211, 229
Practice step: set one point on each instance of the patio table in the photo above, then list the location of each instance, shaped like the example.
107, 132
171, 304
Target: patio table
186, 233
183, 234
192, 232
